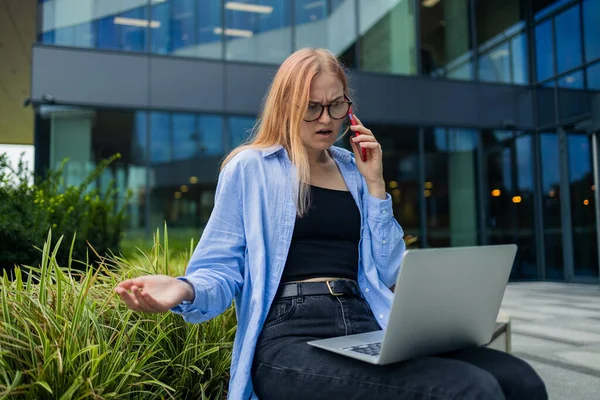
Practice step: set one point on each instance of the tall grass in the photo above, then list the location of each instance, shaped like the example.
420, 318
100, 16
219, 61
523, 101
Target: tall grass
65, 334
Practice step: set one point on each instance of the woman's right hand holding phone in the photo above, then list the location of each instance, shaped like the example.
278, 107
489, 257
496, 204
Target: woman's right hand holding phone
154, 293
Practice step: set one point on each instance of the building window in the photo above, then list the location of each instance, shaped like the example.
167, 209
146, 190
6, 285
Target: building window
210, 37
240, 128
544, 50
446, 39
160, 138
451, 187
568, 40
134, 35
574, 80
508, 196
257, 30
593, 76
210, 134
591, 29
318, 26
160, 34
108, 34
387, 37
185, 136
495, 65
520, 74
551, 207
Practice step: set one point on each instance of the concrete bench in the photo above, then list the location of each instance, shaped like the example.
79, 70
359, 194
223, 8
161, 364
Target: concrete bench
501, 336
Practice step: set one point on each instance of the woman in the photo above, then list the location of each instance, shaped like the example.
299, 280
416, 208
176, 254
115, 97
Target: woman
297, 219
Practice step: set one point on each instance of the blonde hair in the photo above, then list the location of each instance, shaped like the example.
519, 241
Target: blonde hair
283, 110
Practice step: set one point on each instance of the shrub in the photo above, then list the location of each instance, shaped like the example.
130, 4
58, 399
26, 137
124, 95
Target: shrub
71, 337
83, 212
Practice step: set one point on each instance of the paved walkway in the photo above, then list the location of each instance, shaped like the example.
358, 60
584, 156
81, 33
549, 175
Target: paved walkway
556, 327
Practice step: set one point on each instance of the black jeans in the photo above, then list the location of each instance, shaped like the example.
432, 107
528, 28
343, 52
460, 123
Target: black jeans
285, 367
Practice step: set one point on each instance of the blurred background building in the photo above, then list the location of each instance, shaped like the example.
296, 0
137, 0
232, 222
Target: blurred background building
488, 110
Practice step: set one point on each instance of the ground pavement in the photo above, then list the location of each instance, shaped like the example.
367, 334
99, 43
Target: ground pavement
556, 327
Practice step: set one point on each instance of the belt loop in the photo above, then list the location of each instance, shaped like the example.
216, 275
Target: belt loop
300, 296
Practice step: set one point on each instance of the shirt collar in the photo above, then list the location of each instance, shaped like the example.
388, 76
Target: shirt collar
338, 153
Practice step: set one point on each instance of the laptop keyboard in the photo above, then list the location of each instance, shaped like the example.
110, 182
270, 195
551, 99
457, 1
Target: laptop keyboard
371, 349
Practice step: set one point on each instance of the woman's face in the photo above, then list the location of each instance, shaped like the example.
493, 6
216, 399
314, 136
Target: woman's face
321, 134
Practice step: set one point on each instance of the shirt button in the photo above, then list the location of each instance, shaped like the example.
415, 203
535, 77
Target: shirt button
381, 316
384, 211
367, 290
383, 242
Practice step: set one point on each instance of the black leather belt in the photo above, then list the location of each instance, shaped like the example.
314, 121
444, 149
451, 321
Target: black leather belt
339, 287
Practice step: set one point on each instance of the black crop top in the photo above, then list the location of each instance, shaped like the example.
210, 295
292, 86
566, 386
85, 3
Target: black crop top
325, 240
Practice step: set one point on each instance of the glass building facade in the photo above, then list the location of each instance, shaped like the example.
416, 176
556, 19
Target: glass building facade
521, 167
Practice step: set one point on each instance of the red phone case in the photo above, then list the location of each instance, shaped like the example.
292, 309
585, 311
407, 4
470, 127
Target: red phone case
353, 122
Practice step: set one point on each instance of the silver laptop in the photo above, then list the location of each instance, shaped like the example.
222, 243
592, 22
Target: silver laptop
444, 300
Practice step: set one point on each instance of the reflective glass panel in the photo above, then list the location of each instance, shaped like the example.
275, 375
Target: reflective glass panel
134, 34
112, 25
445, 38
551, 206
509, 197
108, 34
183, 23
494, 65
190, 28
386, 30
572, 81
573, 100
88, 136
160, 137
210, 37
544, 50
591, 29
322, 25
239, 129
583, 214
210, 134
451, 187
568, 40
520, 64
593, 77
160, 35
185, 136
542, 8
257, 30
496, 18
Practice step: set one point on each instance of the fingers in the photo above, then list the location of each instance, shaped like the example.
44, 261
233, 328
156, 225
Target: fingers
141, 297
363, 138
128, 298
370, 145
135, 298
361, 130
151, 302
129, 283
366, 142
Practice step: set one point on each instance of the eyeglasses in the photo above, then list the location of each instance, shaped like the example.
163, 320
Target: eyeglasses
337, 110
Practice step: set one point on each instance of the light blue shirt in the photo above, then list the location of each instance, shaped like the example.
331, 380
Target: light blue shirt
243, 249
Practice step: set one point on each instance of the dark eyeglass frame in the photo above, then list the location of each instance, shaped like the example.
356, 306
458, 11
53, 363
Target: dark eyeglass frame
328, 107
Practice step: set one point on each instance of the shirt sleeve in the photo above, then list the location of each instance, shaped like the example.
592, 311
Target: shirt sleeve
387, 236
216, 268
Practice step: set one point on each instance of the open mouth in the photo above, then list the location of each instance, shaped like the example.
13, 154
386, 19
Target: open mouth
324, 132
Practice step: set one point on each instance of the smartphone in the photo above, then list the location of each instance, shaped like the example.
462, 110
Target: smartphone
353, 122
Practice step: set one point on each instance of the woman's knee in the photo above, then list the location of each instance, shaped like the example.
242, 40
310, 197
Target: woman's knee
516, 377
525, 383
475, 384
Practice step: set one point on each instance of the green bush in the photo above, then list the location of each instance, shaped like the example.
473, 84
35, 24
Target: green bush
28, 211
71, 336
